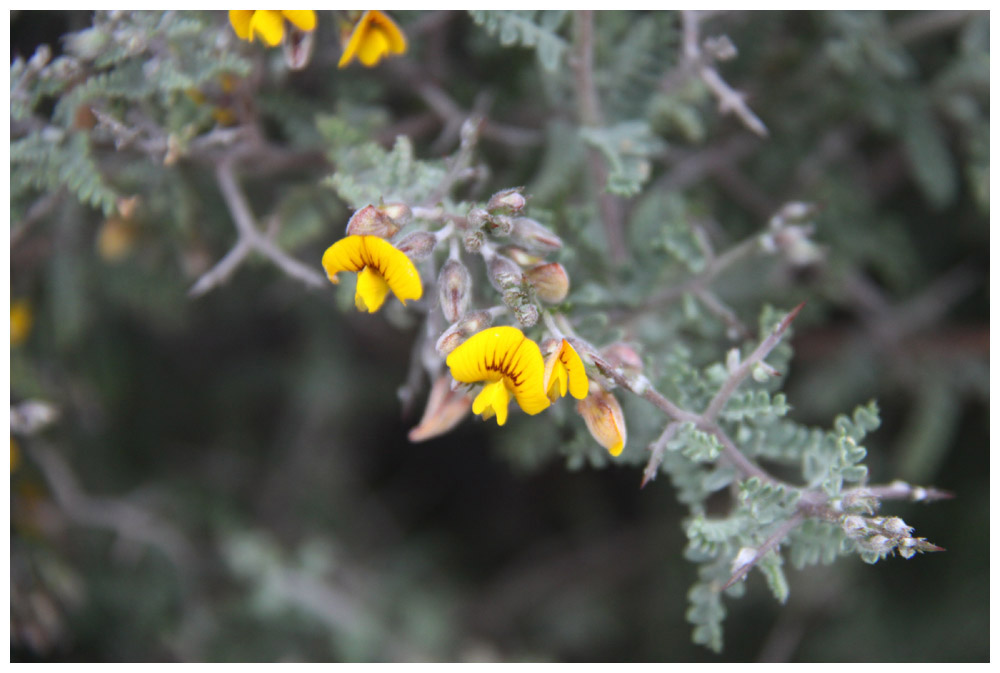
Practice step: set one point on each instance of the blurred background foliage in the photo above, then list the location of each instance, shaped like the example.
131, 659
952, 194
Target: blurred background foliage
228, 476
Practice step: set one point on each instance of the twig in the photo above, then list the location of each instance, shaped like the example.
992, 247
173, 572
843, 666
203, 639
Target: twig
249, 239
745, 368
126, 519
590, 116
656, 453
773, 540
693, 58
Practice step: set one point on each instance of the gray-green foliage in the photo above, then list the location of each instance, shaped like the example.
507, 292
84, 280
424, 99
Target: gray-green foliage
528, 28
703, 285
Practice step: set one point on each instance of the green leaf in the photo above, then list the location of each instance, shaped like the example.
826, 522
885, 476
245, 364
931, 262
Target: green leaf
527, 28
627, 148
771, 567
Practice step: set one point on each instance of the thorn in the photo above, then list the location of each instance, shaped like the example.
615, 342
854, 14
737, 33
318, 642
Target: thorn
790, 317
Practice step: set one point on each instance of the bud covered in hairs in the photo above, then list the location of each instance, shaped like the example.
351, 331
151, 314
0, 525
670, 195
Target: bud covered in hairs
462, 330
551, 282
507, 201
370, 221
503, 273
473, 241
398, 212
418, 245
520, 255
533, 236
454, 285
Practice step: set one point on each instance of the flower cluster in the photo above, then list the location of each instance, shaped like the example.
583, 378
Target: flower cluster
369, 39
489, 365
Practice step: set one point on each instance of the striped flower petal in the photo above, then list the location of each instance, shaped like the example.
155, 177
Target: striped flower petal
501, 355
380, 268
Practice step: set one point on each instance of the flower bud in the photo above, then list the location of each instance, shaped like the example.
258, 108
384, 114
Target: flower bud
499, 225
297, 47
445, 409
854, 526
550, 281
417, 245
454, 284
503, 273
398, 212
507, 201
477, 218
473, 241
526, 314
462, 330
604, 418
520, 255
624, 357
116, 238
370, 221
533, 236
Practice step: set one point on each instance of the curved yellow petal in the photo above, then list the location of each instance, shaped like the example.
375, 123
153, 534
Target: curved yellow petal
397, 269
303, 19
347, 254
371, 290
564, 371
373, 47
374, 37
239, 19
503, 354
357, 35
269, 24
394, 36
493, 399
382, 268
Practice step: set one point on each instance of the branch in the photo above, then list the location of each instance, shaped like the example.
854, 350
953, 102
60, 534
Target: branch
772, 541
590, 115
126, 519
249, 239
700, 64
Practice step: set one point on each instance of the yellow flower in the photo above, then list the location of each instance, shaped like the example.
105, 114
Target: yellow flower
269, 24
21, 320
380, 267
604, 418
374, 37
564, 370
509, 363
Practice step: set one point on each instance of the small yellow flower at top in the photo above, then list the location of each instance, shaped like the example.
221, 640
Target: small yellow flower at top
375, 36
21, 320
380, 268
269, 24
509, 363
564, 371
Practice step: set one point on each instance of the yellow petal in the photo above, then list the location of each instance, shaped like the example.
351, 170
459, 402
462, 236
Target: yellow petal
503, 354
395, 267
394, 36
239, 19
347, 254
564, 371
493, 399
303, 19
374, 36
269, 24
354, 253
21, 320
373, 47
371, 290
